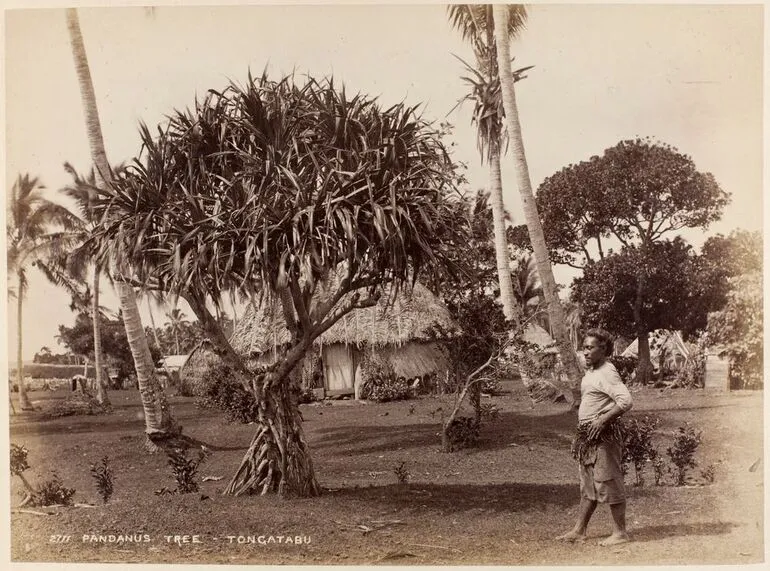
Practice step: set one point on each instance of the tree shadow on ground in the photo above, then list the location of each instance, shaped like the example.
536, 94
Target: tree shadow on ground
509, 428
458, 498
658, 532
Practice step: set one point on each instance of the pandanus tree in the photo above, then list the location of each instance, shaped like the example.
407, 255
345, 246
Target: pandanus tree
477, 27
36, 229
159, 422
502, 15
293, 192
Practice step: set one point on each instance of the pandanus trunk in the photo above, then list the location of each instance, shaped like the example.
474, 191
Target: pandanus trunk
534, 227
24, 402
278, 459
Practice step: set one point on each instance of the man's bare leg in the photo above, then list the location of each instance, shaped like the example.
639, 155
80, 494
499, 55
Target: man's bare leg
578, 533
619, 533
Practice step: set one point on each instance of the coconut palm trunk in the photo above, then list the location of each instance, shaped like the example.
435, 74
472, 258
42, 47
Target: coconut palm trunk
511, 309
555, 310
101, 382
158, 418
24, 402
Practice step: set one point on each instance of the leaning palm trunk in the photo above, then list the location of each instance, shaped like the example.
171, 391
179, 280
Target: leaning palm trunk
24, 402
101, 382
555, 310
510, 307
158, 419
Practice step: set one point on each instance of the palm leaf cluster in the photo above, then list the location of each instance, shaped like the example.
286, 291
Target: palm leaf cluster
278, 183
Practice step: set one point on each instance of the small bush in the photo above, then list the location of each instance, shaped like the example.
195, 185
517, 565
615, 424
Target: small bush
102, 474
489, 412
709, 473
77, 404
402, 474
185, 469
658, 466
18, 459
223, 392
463, 432
682, 453
52, 492
625, 366
638, 448
385, 389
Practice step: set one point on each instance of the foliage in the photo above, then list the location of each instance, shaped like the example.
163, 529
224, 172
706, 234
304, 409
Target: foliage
638, 192
52, 492
402, 474
490, 412
693, 374
103, 476
224, 392
625, 366
658, 466
671, 293
76, 404
18, 459
638, 447
46, 357
385, 389
738, 330
185, 469
682, 452
463, 432
709, 473
80, 340
491, 386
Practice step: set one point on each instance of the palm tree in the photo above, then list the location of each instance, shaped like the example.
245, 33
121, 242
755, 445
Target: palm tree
176, 320
476, 25
82, 191
31, 218
502, 15
159, 422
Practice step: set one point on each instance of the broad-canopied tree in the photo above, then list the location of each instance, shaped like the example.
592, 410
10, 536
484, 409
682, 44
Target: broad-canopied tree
636, 194
295, 192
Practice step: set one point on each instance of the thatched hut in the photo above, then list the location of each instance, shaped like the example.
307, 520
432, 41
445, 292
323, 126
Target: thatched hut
408, 330
197, 362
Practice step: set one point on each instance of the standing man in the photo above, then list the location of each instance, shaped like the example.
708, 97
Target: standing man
598, 446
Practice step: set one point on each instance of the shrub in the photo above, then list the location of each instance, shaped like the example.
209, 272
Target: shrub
682, 452
222, 391
638, 448
463, 432
76, 404
658, 466
185, 469
625, 366
386, 389
709, 473
402, 474
491, 386
18, 459
52, 492
102, 474
693, 374
489, 411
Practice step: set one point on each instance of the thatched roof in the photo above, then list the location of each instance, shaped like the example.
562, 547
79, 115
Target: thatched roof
201, 357
414, 315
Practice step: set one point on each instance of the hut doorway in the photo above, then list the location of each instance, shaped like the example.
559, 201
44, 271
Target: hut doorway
340, 363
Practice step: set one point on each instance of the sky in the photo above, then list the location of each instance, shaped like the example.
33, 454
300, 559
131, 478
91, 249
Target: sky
687, 75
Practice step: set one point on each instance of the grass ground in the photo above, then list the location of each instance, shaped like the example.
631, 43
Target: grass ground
499, 503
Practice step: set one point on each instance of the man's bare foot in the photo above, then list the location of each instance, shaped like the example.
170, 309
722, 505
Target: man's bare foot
572, 537
615, 539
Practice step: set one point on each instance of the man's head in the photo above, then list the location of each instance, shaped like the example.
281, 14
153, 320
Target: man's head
597, 346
